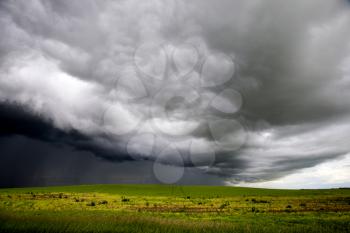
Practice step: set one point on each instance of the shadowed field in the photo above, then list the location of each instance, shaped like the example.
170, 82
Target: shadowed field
161, 208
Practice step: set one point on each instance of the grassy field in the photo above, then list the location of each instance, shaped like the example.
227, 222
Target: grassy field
161, 208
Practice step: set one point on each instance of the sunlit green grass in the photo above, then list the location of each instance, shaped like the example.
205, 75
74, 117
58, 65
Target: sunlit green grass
161, 208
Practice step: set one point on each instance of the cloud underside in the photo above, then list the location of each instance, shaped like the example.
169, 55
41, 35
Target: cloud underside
64, 65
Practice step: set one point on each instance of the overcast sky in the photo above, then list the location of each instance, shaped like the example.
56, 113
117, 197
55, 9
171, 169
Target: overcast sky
253, 93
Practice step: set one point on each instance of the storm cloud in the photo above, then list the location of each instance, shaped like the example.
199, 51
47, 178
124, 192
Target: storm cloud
239, 91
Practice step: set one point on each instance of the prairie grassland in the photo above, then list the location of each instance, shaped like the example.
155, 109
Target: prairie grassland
161, 208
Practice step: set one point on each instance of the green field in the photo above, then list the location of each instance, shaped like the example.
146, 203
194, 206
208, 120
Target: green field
162, 208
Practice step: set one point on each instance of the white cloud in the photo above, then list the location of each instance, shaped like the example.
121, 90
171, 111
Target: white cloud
38, 82
330, 174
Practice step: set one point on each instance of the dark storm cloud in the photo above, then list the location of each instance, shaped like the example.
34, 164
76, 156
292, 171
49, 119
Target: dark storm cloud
30, 162
292, 51
62, 59
19, 120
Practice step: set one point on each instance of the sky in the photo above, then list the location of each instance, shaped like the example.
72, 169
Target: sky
242, 93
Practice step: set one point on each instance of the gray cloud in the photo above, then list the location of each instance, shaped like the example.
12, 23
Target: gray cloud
74, 64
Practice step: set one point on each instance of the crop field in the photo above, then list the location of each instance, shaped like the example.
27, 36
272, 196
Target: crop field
163, 208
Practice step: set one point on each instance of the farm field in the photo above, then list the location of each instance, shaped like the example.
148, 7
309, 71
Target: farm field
164, 208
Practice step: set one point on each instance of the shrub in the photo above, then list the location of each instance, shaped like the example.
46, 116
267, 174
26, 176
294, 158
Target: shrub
124, 199
103, 202
91, 203
259, 201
